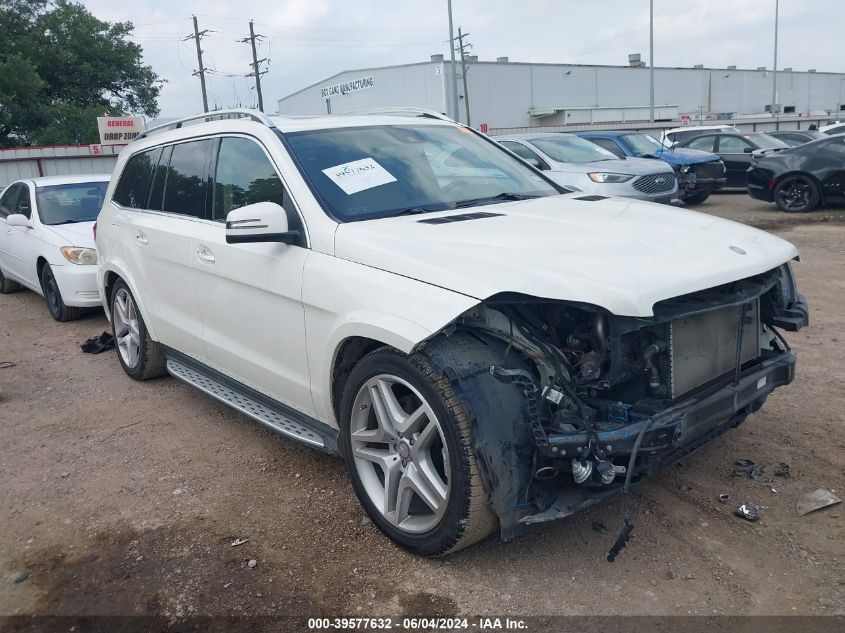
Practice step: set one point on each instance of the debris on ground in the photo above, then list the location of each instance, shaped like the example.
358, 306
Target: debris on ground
749, 511
97, 344
769, 483
239, 541
724, 497
252, 563
21, 577
598, 526
6, 364
816, 500
782, 470
747, 468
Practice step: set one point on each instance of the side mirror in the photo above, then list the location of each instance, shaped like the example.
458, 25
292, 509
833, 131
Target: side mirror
18, 219
748, 150
259, 222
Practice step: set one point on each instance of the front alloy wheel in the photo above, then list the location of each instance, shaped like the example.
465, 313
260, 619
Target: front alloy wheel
399, 453
407, 441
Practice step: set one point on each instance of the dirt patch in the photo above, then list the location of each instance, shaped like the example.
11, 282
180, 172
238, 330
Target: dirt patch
99, 470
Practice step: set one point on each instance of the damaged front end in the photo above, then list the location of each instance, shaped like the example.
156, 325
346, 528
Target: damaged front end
570, 403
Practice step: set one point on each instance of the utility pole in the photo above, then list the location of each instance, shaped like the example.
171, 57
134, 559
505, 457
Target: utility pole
775, 70
651, 57
462, 48
201, 72
255, 65
454, 73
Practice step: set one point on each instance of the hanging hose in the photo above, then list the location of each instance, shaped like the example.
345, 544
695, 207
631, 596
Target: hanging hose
628, 525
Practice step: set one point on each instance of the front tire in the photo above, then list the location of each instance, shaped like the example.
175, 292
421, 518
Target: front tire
696, 198
407, 443
53, 297
797, 194
141, 357
7, 286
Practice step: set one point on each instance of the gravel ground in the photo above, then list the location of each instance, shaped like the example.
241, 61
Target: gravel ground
121, 497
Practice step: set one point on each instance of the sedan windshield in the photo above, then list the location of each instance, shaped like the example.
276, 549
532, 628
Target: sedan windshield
71, 203
361, 173
642, 144
764, 141
572, 149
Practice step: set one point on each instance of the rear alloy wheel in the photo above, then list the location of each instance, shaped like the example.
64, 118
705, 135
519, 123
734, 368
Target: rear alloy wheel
7, 285
53, 297
406, 440
797, 194
140, 356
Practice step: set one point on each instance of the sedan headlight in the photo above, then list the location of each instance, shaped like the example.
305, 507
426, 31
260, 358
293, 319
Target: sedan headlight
81, 256
600, 176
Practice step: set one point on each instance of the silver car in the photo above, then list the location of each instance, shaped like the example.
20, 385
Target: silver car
578, 164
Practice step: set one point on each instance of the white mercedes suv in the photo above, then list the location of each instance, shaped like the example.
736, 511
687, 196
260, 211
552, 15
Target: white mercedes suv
485, 349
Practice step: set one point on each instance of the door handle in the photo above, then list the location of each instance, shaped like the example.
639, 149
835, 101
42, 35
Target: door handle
205, 255
142, 239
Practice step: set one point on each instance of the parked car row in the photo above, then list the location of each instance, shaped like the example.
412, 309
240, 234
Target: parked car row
486, 348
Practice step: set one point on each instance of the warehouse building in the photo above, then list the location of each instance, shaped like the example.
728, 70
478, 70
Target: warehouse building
506, 94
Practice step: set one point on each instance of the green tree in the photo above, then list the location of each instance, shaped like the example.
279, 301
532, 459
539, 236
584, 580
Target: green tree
61, 67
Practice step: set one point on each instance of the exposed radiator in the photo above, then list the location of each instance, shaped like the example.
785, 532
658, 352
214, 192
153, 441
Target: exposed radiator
702, 347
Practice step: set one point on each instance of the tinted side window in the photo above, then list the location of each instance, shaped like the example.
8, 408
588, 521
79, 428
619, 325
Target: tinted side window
244, 176
732, 144
609, 145
159, 176
186, 185
704, 143
131, 189
520, 150
9, 200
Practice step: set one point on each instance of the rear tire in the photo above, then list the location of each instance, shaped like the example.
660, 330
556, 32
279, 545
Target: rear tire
7, 286
797, 194
402, 423
696, 198
53, 297
140, 356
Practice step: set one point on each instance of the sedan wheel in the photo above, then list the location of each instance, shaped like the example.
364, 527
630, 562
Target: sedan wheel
797, 194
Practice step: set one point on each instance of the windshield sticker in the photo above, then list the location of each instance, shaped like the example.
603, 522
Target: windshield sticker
359, 175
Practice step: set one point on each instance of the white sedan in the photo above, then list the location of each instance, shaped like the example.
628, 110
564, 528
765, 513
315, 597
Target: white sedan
47, 240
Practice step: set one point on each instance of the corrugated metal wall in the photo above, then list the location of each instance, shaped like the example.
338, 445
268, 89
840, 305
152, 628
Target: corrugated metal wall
32, 162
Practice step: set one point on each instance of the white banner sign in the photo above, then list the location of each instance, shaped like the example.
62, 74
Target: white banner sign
119, 130
346, 87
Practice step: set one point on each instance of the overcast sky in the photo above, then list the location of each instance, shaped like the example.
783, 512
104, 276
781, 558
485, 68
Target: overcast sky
307, 41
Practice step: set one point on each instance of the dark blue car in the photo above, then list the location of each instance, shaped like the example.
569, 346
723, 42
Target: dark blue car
699, 173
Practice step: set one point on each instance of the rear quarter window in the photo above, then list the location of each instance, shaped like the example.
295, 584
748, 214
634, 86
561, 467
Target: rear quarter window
131, 189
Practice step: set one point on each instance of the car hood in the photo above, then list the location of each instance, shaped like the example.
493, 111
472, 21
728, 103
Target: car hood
635, 166
621, 254
79, 234
684, 156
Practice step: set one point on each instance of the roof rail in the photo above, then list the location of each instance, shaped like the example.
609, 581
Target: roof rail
234, 113
404, 111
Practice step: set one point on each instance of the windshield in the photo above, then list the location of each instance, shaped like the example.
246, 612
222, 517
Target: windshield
764, 141
642, 144
572, 149
361, 173
66, 204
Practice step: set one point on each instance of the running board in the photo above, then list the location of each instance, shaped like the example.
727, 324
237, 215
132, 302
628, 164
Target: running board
274, 416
